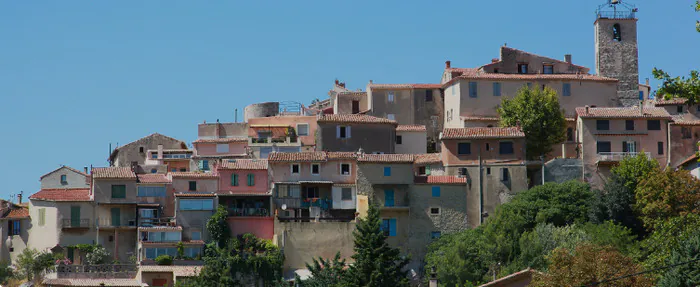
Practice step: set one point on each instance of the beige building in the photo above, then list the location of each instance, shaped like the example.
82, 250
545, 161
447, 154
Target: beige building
610, 134
65, 177
411, 139
14, 229
134, 153
350, 133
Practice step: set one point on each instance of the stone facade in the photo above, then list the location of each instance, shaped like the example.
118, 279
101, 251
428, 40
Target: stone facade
619, 59
134, 153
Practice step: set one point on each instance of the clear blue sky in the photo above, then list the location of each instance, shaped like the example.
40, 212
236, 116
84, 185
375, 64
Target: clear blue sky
77, 75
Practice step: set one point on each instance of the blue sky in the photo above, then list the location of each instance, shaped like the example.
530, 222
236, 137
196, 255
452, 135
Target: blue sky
76, 76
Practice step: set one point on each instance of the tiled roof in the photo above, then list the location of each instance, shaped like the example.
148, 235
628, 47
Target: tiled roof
685, 120
113, 173
405, 86
623, 113
428, 158
20, 212
427, 86
153, 178
178, 271
692, 158
482, 133
410, 128
63, 194
244, 164
92, 282
479, 118
386, 158
439, 179
317, 156
222, 140
670, 102
341, 94
194, 194
66, 167
478, 75
354, 119
192, 174
341, 155
512, 278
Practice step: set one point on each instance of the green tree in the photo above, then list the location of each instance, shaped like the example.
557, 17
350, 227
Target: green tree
616, 203
6, 272
32, 264
668, 236
96, 255
679, 87
539, 115
686, 275
218, 227
459, 258
667, 194
325, 273
376, 263
633, 169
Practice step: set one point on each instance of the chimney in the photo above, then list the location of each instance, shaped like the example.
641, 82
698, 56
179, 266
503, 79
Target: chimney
567, 57
235, 117
85, 169
494, 60
160, 151
336, 82
371, 82
448, 64
647, 82
587, 107
641, 108
19, 197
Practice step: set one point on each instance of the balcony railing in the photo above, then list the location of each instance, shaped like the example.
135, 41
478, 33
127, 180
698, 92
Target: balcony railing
109, 223
289, 202
273, 140
177, 156
160, 221
258, 212
618, 156
323, 203
629, 14
97, 271
76, 223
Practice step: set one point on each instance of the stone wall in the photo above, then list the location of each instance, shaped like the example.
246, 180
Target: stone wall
303, 241
562, 170
619, 59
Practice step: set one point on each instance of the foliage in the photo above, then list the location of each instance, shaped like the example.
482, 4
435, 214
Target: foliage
588, 264
616, 203
536, 244
325, 273
164, 260
6, 272
667, 194
376, 264
686, 275
180, 250
459, 257
32, 264
218, 227
679, 87
633, 169
539, 115
667, 236
97, 255
697, 9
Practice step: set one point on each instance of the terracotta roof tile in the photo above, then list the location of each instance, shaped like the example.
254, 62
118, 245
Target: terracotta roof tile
478, 75
20, 212
354, 119
192, 174
439, 179
244, 164
195, 194
63, 194
685, 120
623, 113
113, 173
479, 118
222, 140
332, 155
692, 158
153, 178
428, 158
670, 102
426, 86
317, 156
405, 86
66, 167
177, 270
520, 276
92, 282
410, 128
482, 133
386, 158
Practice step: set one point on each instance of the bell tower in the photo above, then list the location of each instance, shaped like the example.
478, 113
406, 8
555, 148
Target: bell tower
616, 50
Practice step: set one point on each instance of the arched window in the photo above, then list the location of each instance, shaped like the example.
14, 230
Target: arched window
617, 34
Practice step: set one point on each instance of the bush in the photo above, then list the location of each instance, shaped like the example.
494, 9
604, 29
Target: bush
164, 260
98, 255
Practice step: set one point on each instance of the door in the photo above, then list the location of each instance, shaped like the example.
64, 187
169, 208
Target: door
159, 282
355, 107
116, 216
388, 198
75, 216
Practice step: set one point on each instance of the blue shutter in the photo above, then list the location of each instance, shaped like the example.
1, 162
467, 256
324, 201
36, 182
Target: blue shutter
641, 95
436, 191
496, 89
566, 89
472, 90
392, 227
387, 171
388, 198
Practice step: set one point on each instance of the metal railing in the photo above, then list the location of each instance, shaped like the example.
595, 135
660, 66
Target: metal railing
615, 14
290, 202
160, 221
76, 223
323, 203
271, 140
258, 212
97, 271
108, 222
618, 156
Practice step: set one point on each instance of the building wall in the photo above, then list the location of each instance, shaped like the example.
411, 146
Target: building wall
292, 121
412, 143
339, 203
102, 190
208, 149
123, 243
222, 130
203, 185
453, 102
131, 152
400, 107
261, 110
451, 157
619, 60
261, 227
147, 277
370, 137
373, 173
682, 148
510, 58
52, 233
73, 180
261, 181
194, 219
342, 103
304, 241
429, 113
18, 242
329, 171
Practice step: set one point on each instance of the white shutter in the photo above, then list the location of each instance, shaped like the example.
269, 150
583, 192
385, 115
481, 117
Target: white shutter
347, 131
337, 132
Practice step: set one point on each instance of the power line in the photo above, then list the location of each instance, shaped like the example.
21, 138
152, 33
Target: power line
640, 273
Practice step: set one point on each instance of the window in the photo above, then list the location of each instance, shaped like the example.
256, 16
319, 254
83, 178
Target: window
14, 227
629, 125
436, 191
685, 133
295, 168
154, 170
173, 169
150, 191
346, 193
196, 235
183, 169
197, 204
302, 129
496, 89
679, 109
660, 148
315, 169
602, 147
42, 216
505, 147
488, 147
388, 197
654, 125
421, 170
434, 210
204, 165
389, 226
464, 148
390, 96
488, 170
529, 85
355, 107
617, 34
154, 155
641, 95
522, 68
629, 146
141, 149
312, 192
345, 168
566, 89
495, 71
569, 134
428, 95
64, 179
387, 171
118, 191
391, 117
505, 176
251, 179
434, 234
148, 213
343, 132
472, 90
134, 163
192, 186
454, 90
602, 125
222, 148
152, 253
193, 252
399, 139
234, 179
548, 69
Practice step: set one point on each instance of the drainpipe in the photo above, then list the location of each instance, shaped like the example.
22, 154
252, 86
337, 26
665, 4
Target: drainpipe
481, 190
542, 160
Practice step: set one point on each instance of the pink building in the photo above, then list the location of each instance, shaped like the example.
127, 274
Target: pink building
210, 149
244, 189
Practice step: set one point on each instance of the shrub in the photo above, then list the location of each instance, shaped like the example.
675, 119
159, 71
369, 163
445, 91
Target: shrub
164, 260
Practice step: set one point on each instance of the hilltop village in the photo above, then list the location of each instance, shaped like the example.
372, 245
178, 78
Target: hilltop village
432, 156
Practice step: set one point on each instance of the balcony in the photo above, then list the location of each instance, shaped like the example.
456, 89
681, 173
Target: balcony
97, 271
74, 223
161, 221
253, 212
289, 202
614, 157
278, 141
323, 203
115, 223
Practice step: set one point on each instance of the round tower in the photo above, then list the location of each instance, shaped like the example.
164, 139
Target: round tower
261, 110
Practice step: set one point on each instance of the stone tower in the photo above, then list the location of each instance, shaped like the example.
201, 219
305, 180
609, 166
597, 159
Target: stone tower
616, 49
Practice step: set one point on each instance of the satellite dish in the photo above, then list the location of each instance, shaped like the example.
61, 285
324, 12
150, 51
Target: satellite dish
284, 206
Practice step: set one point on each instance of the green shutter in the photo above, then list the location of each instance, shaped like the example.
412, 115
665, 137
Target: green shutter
251, 179
118, 191
42, 216
234, 179
427, 170
75, 216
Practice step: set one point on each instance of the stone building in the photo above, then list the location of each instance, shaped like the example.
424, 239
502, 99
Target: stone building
65, 177
134, 153
350, 133
411, 139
